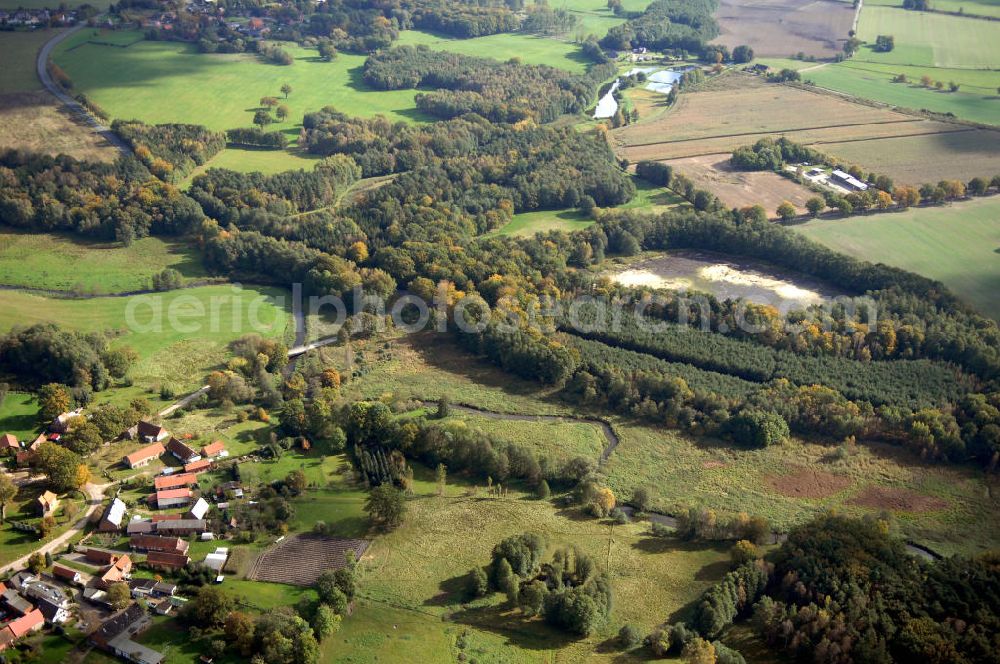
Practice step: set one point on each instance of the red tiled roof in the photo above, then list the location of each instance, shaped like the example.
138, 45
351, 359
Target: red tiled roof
198, 466
9, 441
213, 449
154, 450
26, 623
183, 492
173, 481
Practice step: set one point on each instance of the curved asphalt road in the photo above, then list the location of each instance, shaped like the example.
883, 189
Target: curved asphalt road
74, 106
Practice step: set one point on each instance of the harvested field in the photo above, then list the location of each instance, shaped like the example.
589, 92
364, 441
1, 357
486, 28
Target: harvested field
897, 500
741, 188
52, 129
926, 158
805, 482
300, 559
780, 28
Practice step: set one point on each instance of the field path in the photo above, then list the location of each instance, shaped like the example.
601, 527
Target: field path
95, 495
74, 106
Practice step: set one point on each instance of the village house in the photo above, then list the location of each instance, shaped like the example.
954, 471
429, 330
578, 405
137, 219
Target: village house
144, 456
172, 498
175, 481
151, 588
47, 503
140, 527
118, 571
9, 444
198, 510
115, 636
214, 450
848, 181
181, 527
148, 432
14, 602
197, 466
54, 613
182, 451
158, 543
61, 422
102, 557
111, 520
167, 561
15, 629
67, 574
27, 455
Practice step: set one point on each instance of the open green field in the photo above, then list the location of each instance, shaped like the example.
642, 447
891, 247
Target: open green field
263, 161
18, 51
929, 39
562, 440
975, 100
19, 415
51, 261
171, 82
531, 49
957, 244
179, 335
971, 7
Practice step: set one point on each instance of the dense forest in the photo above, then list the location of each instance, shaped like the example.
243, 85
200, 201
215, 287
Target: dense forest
500, 91
667, 24
170, 151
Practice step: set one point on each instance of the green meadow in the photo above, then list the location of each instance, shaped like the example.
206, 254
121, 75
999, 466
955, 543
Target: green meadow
19, 415
958, 244
51, 261
171, 82
179, 335
930, 39
969, 7
18, 52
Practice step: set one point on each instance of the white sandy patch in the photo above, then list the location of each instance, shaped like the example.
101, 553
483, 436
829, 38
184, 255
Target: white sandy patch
649, 279
783, 289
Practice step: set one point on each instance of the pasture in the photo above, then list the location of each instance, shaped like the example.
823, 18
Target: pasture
526, 224
925, 157
19, 415
531, 49
179, 335
741, 188
171, 82
969, 8
780, 28
976, 99
930, 39
956, 244
50, 261
19, 49
263, 161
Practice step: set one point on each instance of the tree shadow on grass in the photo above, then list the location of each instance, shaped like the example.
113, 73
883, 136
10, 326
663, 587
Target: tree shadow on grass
519, 632
452, 591
713, 571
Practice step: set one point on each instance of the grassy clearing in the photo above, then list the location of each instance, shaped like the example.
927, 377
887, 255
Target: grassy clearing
263, 161
34, 121
18, 51
19, 415
976, 100
530, 49
67, 262
957, 244
177, 345
977, 7
682, 472
171, 82
929, 39
562, 440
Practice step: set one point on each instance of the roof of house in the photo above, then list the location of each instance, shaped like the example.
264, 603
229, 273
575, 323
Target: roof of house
49, 609
102, 556
9, 441
158, 543
26, 623
197, 466
199, 509
48, 499
6, 637
15, 601
180, 450
181, 524
174, 481
115, 512
118, 623
148, 452
213, 449
141, 526
168, 559
149, 429
64, 572
38, 441
168, 494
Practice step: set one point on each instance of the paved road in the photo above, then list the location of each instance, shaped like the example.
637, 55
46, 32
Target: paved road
95, 495
74, 106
